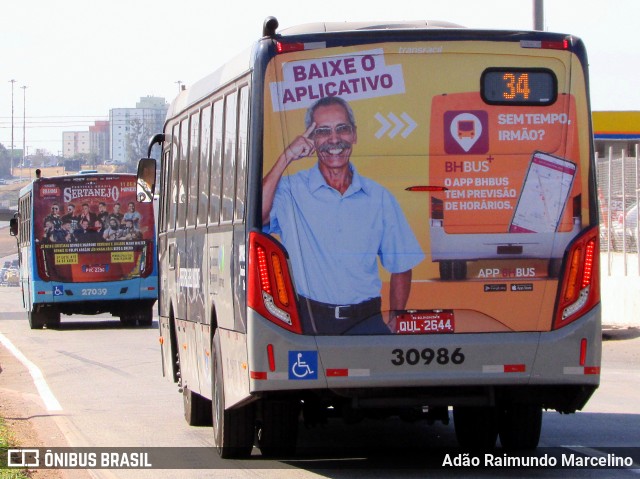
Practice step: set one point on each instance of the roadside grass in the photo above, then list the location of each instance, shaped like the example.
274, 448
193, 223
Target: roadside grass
6, 442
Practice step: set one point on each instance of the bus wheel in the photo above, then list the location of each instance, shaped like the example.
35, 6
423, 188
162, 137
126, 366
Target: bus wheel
520, 426
233, 429
145, 316
53, 318
278, 428
37, 319
197, 409
128, 319
476, 427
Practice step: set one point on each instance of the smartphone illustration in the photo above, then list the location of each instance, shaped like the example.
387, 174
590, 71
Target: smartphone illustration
544, 194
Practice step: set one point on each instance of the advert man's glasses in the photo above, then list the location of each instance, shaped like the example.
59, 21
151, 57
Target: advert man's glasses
343, 129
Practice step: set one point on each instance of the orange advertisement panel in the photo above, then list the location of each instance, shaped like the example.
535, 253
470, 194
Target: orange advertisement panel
90, 228
481, 156
434, 183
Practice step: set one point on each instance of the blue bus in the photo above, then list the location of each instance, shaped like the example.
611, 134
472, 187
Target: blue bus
86, 247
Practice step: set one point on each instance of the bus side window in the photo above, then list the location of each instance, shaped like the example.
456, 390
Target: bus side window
241, 167
204, 170
174, 177
194, 154
164, 193
183, 179
215, 173
229, 158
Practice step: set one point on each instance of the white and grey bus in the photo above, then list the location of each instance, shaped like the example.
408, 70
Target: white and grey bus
381, 219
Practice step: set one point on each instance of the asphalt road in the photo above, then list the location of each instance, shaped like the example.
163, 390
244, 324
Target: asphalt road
107, 380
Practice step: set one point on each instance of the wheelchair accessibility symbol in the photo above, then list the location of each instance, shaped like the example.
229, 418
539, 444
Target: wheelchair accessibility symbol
303, 365
58, 290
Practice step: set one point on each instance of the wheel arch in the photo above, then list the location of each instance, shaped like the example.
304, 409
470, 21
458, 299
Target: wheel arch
173, 344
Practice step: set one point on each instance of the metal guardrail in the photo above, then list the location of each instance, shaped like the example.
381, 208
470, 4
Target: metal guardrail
618, 191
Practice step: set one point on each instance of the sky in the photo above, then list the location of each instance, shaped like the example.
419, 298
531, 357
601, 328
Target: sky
79, 59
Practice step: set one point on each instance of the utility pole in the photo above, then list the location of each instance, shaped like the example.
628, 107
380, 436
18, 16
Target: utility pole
538, 15
12, 82
24, 123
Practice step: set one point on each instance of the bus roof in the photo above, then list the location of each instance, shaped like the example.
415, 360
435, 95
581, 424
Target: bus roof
52, 179
327, 27
242, 62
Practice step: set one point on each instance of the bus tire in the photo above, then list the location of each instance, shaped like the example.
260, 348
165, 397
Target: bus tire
37, 319
197, 409
520, 426
233, 429
145, 317
53, 318
40, 317
476, 427
278, 428
128, 319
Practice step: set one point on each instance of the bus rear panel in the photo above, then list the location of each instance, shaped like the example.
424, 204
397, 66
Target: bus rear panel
91, 249
485, 145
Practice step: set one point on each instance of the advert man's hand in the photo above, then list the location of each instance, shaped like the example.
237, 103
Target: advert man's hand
301, 147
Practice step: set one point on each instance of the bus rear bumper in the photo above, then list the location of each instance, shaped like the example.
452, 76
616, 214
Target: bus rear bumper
559, 369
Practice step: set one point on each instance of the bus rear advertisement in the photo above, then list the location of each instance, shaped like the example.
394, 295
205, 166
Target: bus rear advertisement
86, 247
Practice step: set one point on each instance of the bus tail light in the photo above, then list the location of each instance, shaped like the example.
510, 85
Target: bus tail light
583, 351
288, 47
580, 287
564, 44
270, 289
41, 259
146, 261
282, 47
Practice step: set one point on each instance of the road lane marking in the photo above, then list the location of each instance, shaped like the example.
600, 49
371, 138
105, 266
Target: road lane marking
47, 396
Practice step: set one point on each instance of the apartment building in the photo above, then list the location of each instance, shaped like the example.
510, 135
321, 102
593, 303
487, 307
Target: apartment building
135, 124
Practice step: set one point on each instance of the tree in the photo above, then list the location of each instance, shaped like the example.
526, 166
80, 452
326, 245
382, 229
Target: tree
137, 141
5, 162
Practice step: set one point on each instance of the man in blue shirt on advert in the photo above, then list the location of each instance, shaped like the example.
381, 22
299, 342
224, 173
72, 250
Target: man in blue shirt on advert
334, 224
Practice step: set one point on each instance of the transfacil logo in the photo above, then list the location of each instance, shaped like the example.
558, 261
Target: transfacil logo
23, 458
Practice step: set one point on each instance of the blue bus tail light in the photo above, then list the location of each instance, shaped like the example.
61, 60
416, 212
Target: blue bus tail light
146, 260
580, 288
41, 260
270, 289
